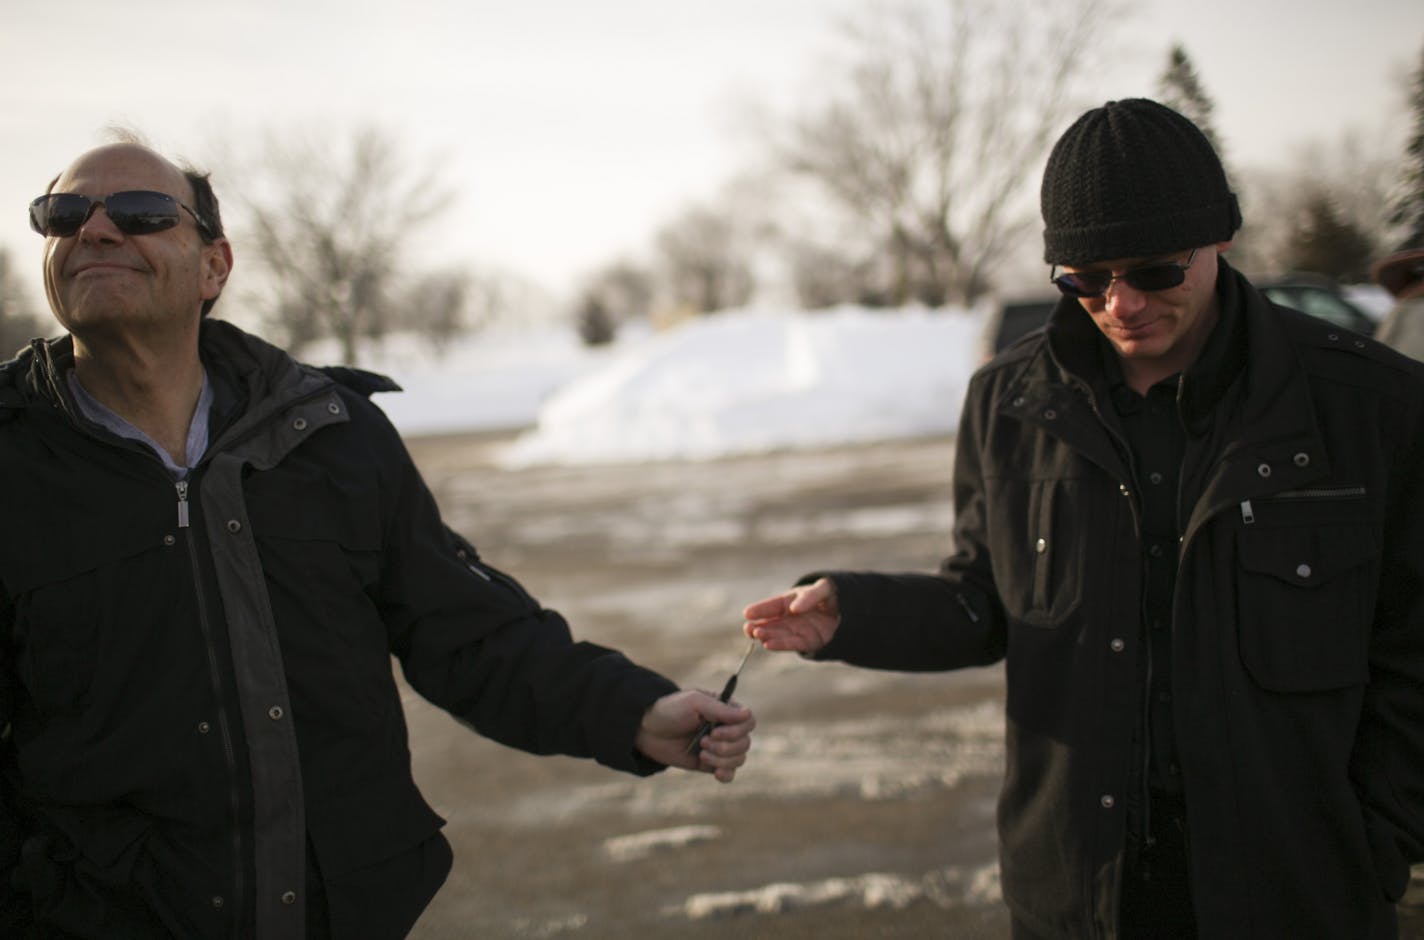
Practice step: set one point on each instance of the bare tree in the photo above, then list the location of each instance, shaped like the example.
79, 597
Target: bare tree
823, 276
19, 323
613, 295
933, 125
434, 305
706, 260
330, 218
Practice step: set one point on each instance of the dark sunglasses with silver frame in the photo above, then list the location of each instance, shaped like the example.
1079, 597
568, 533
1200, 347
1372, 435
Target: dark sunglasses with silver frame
133, 212
1160, 275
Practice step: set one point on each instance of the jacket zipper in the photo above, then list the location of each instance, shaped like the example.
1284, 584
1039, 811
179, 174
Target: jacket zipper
1333, 492
224, 727
1248, 514
469, 562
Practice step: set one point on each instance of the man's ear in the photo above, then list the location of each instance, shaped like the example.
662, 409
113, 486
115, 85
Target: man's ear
217, 265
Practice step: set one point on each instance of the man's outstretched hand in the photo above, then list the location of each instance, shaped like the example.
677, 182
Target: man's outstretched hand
670, 722
801, 620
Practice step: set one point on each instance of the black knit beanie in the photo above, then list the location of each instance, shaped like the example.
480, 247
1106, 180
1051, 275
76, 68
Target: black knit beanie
1133, 179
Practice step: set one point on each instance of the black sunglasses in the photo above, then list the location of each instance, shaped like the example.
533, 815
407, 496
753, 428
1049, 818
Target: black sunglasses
1160, 275
133, 212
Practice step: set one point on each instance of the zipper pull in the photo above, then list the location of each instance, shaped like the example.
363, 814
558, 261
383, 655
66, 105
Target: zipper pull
1247, 515
968, 609
464, 556
182, 504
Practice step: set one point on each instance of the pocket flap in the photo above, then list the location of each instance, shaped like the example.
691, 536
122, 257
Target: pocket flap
1306, 557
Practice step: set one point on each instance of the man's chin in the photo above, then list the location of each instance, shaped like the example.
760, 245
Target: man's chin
1138, 345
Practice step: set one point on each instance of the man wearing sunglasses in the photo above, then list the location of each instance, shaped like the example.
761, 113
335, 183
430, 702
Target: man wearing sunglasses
1190, 523
212, 554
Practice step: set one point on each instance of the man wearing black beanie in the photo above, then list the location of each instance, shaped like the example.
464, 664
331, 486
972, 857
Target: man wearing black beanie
1189, 521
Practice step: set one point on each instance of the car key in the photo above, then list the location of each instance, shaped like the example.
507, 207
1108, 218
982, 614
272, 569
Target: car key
726, 696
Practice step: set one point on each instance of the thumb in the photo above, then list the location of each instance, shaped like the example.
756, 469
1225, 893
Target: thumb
812, 596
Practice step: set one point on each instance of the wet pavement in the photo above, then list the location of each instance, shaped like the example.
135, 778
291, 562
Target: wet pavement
867, 807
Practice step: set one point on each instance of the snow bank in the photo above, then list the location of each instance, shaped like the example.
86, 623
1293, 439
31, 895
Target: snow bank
759, 380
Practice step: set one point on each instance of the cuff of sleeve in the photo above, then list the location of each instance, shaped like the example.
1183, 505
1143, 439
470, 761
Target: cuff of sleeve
638, 693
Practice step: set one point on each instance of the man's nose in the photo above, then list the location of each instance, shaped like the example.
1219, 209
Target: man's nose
1122, 300
99, 227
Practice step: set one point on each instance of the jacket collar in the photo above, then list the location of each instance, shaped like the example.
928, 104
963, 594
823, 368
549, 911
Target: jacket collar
266, 402
1080, 351
1249, 404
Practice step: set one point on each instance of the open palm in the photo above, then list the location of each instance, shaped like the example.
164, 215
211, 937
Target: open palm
801, 620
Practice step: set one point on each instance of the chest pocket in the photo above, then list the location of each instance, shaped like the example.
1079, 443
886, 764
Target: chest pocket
1305, 602
98, 598
324, 527
317, 528
1037, 550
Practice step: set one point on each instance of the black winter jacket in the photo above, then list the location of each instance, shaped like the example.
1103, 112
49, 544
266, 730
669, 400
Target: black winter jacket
195, 678
1297, 634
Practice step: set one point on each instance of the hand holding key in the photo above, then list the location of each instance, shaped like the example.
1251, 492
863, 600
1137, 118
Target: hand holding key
726, 696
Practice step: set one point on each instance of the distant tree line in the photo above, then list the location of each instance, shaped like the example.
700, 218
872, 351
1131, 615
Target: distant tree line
20, 320
911, 177
914, 178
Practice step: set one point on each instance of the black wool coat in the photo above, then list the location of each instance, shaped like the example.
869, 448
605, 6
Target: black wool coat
196, 678
1297, 631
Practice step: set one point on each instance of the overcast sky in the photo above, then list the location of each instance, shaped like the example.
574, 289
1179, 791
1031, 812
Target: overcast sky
574, 127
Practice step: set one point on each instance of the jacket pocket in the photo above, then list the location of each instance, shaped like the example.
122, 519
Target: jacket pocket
1304, 605
1037, 550
319, 537
72, 613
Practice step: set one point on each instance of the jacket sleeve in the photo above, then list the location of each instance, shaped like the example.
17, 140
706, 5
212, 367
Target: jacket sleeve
928, 622
14, 906
471, 640
1387, 765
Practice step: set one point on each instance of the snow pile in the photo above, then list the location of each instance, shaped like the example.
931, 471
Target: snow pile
492, 380
758, 380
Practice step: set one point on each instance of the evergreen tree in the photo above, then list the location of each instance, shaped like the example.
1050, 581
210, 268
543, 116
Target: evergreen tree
1180, 89
1409, 210
1327, 243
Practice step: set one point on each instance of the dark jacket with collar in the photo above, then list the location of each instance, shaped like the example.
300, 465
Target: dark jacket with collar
1298, 625
196, 678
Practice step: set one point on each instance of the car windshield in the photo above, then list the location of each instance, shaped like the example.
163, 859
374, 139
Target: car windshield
1320, 302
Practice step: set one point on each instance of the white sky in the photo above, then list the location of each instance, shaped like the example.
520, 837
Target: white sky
575, 127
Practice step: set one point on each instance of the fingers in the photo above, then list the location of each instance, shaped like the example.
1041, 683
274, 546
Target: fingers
785, 636
816, 597
726, 746
802, 620
769, 608
724, 713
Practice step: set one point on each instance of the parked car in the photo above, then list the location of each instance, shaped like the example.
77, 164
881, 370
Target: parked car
1319, 297
1012, 319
